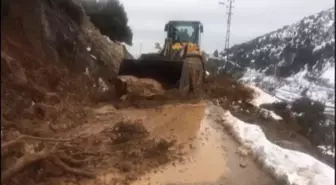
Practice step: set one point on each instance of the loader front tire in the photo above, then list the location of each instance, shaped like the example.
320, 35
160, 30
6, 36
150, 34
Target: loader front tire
192, 76
184, 85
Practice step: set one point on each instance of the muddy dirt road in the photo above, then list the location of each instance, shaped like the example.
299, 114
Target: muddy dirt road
201, 151
212, 158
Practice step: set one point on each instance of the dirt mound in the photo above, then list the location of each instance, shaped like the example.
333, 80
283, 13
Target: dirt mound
124, 132
143, 87
221, 87
225, 86
127, 147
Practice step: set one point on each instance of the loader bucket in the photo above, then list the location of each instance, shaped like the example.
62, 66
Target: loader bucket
166, 72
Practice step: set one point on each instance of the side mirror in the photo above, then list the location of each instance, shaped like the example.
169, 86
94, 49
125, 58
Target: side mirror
166, 27
201, 28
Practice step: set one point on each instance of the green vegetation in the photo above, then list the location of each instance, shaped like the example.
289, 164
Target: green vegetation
110, 18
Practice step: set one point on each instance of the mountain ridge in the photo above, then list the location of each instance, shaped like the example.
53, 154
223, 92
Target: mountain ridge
294, 62
287, 50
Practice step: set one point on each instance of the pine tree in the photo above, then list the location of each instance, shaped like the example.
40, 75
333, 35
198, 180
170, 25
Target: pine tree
215, 54
110, 18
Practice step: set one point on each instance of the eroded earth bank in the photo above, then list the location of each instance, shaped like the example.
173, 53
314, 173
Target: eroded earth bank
63, 121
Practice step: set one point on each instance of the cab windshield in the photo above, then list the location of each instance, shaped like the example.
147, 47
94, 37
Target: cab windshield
185, 32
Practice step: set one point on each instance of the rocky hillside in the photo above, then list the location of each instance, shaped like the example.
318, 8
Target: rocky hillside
309, 43
290, 63
54, 63
301, 54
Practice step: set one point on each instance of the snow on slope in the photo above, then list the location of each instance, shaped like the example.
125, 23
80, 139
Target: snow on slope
309, 43
329, 74
301, 56
261, 97
290, 88
293, 167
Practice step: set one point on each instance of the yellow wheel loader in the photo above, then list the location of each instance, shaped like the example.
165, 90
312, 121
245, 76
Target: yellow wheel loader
179, 64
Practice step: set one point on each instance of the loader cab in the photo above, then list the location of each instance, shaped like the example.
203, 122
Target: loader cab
184, 31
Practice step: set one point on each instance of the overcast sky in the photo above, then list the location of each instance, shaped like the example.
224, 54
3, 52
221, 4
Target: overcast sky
251, 18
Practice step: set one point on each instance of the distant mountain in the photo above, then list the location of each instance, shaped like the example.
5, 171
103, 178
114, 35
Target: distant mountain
310, 42
298, 59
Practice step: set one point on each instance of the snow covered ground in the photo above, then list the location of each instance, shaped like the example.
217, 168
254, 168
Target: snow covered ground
290, 88
329, 74
262, 97
286, 165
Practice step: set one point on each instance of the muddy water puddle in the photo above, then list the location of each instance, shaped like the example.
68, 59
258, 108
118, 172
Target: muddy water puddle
205, 162
212, 160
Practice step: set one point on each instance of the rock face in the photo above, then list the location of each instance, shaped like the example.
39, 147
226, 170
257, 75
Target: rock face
51, 53
102, 49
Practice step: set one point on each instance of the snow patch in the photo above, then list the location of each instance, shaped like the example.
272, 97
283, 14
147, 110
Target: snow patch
329, 75
93, 57
290, 88
328, 150
294, 167
102, 85
87, 72
273, 115
261, 97
108, 39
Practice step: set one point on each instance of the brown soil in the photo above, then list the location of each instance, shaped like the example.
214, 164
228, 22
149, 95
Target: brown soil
58, 127
121, 151
215, 87
170, 144
43, 88
211, 158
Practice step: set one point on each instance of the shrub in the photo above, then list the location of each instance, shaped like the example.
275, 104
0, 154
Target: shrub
4, 8
310, 116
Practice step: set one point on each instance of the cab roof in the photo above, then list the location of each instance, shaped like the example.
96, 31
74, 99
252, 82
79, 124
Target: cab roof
180, 21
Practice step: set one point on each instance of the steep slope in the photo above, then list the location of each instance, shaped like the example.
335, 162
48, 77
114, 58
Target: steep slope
53, 63
309, 42
292, 62
297, 59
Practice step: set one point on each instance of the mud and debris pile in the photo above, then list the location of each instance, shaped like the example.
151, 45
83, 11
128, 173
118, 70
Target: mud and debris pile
145, 93
125, 132
48, 77
126, 147
136, 143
